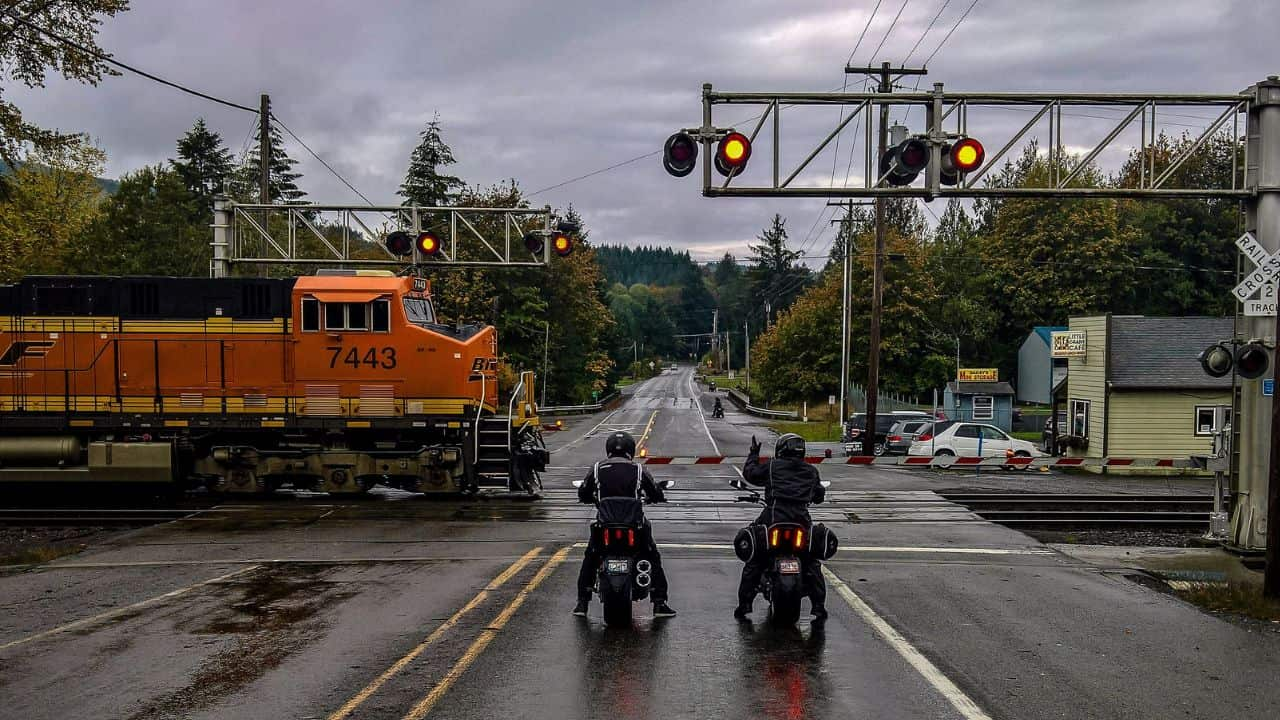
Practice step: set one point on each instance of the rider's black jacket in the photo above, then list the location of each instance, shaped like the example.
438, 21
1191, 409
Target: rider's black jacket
790, 485
616, 487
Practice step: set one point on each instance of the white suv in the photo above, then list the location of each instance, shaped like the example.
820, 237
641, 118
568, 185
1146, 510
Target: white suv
971, 440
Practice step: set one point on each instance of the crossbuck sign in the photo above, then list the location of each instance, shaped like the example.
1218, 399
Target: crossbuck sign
1261, 279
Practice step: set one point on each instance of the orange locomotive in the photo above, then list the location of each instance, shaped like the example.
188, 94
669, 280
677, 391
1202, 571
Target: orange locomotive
337, 382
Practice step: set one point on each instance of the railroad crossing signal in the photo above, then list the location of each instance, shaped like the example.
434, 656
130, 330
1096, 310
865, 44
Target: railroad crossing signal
732, 154
398, 243
902, 163
680, 155
1250, 360
428, 243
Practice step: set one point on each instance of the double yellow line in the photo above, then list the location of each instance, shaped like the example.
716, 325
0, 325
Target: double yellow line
641, 450
423, 706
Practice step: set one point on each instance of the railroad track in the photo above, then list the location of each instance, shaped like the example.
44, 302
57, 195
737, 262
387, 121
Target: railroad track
1058, 510
82, 517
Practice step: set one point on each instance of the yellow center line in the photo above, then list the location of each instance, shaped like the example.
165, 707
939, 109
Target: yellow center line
640, 447
424, 706
435, 635
108, 615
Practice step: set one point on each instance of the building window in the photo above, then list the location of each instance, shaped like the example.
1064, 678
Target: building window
310, 315
983, 407
1208, 417
1079, 418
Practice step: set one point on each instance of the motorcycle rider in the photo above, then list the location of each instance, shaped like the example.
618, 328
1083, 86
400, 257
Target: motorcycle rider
615, 487
718, 410
790, 485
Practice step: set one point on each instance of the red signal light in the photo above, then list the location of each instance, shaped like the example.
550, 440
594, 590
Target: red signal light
533, 242
428, 244
967, 154
732, 153
562, 244
680, 154
398, 243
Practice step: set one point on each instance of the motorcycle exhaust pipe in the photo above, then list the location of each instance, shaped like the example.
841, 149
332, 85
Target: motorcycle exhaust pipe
643, 580
644, 566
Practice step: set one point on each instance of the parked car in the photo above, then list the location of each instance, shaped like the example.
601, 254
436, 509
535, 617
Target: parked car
1048, 436
856, 426
964, 439
902, 433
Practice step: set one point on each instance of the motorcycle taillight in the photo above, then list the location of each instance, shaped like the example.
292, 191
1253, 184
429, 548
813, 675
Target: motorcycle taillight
799, 539
773, 538
631, 538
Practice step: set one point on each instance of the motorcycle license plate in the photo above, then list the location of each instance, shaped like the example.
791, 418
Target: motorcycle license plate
618, 566
789, 566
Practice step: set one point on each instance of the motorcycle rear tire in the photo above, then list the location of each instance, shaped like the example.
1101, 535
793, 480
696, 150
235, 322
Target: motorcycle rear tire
784, 601
617, 611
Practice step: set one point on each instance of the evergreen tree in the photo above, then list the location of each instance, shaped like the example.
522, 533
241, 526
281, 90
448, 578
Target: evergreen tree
282, 183
776, 277
203, 163
424, 185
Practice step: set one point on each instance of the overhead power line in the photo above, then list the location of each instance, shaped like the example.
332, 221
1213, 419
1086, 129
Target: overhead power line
124, 66
950, 32
925, 34
890, 30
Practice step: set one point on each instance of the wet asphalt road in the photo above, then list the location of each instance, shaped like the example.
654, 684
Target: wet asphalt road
400, 607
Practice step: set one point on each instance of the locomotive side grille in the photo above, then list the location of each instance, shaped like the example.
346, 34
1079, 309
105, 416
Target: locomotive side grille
255, 400
322, 400
377, 400
187, 400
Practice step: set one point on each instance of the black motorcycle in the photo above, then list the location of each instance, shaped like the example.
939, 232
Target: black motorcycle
624, 577
717, 412
783, 548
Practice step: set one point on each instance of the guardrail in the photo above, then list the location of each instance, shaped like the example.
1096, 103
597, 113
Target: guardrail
737, 397
605, 402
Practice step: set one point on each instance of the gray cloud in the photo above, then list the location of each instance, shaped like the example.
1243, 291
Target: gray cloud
546, 91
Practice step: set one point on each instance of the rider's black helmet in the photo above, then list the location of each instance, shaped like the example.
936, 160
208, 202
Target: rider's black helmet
790, 445
620, 444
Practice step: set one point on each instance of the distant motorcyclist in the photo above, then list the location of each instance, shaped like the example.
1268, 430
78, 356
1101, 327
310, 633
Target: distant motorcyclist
718, 410
790, 485
616, 487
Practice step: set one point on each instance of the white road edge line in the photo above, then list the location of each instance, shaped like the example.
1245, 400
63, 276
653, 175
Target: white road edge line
930, 672
697, 403
126, 609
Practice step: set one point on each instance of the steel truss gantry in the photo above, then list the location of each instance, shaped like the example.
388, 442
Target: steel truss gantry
947, 115
352, 235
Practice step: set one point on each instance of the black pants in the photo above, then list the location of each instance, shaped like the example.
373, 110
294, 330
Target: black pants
593, 556
811, 571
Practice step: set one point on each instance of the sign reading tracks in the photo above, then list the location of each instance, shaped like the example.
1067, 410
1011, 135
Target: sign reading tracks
1260, 280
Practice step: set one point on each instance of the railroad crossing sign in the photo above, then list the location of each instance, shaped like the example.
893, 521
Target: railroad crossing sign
1268, 266
1265, 304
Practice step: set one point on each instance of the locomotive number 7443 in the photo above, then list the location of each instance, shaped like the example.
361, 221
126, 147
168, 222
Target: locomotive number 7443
384, 358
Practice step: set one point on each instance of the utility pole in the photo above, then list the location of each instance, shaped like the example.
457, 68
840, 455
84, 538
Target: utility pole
885, 73
715, 336
546, 346
1264, 218
846, 300
746, 344
728, 353
264, 151
768, 314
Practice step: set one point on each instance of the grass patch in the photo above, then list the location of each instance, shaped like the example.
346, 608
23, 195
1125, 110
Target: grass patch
724, 382
1232, 598
1028, 435
624, 382
39, 554
813, 431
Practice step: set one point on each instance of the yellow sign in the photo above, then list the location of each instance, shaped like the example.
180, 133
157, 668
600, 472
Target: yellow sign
978, 375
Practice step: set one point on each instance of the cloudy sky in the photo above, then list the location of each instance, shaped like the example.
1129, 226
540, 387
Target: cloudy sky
547, 91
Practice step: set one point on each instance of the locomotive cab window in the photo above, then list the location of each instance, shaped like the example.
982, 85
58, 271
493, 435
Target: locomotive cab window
419, 311
347, 316
382, 316
310, 315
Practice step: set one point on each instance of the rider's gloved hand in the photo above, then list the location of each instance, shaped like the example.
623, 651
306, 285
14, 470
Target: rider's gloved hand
755, 445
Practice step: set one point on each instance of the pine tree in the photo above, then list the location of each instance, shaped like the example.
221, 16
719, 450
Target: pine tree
203, 163
282, 183
424, 185
777, 278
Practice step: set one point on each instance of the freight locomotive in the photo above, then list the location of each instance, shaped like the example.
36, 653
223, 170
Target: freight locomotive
334, 382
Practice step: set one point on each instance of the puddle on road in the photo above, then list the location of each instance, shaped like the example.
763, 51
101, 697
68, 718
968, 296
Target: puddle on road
271, 614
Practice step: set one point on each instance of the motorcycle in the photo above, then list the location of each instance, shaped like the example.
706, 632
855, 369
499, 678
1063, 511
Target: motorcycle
624, 577
717, 412
783, 548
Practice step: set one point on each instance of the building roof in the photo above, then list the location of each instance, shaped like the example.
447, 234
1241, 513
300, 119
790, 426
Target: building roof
980, 388
1046, 331
1158, 353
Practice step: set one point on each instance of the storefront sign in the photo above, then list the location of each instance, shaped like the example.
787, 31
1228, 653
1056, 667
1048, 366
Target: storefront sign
1067, 344
978, 375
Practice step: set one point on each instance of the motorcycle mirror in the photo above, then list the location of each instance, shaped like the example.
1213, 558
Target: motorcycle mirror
736, 485
577, 483
825, 483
